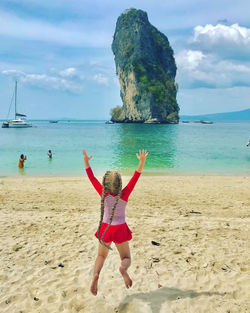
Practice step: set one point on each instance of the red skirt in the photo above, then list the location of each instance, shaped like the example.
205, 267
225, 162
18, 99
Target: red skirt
116, 233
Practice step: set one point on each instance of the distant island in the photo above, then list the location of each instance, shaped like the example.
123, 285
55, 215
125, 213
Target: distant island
243, 115
146, 69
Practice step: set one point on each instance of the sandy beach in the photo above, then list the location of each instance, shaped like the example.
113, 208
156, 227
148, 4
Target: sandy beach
48, 248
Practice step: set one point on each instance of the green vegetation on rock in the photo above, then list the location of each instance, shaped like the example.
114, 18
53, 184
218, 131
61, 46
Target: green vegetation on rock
117, 114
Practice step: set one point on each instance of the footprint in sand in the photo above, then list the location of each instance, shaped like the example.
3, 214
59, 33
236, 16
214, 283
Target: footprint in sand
52, 299
76, 304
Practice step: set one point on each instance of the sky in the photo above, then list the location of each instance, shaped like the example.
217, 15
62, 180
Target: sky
60, 53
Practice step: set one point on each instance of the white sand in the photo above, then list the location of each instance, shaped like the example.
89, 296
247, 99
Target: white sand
203, 258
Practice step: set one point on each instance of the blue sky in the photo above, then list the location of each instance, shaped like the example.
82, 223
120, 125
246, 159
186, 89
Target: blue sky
60, 51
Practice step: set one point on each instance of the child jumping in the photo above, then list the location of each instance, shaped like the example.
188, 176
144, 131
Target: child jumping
112, 226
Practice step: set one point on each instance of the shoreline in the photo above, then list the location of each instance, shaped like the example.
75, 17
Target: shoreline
146, 174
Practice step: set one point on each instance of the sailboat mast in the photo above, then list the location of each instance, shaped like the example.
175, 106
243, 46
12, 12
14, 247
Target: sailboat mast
15, 97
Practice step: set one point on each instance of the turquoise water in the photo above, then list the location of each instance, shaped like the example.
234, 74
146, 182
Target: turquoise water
192, 148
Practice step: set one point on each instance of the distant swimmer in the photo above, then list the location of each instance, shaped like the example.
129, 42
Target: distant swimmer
248, 144
50, 154
21, 160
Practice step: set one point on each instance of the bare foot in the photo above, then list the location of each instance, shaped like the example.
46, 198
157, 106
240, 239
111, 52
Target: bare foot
93, 287
127, 279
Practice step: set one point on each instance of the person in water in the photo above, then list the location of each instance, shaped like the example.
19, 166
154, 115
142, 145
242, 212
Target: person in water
50, 154
21, 160
112, 225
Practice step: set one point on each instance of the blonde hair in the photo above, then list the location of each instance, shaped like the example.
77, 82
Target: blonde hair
111, 183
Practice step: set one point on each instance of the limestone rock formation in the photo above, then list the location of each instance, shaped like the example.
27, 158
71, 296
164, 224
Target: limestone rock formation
146, 69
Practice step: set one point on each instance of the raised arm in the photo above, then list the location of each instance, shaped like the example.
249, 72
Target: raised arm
95, 182
86, 159
130, 186
142, 159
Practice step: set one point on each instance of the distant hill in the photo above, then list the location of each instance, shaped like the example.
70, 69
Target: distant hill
243, 115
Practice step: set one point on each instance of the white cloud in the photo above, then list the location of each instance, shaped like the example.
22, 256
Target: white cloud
101, 79
44, 81
189, 59
234, 33
196, 69
229, 40
218, 58
69, 79
68, 72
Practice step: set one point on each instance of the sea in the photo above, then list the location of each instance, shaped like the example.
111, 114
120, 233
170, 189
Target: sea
174, 149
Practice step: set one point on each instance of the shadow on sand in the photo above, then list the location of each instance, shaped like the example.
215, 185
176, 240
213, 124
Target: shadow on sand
156, 298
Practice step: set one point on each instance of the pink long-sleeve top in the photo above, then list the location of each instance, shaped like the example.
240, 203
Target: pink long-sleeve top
109, 199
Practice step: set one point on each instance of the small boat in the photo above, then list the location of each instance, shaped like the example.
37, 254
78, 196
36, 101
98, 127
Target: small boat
20, 120
185, 121
109, 122
206, 122
53, 121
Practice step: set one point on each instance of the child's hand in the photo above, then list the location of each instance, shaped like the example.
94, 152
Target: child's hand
85, 155
142, 155
142, 158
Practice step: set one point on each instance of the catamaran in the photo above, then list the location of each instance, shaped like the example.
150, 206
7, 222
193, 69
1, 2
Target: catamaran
20, 120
